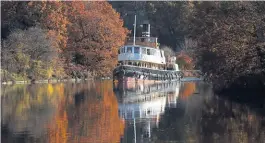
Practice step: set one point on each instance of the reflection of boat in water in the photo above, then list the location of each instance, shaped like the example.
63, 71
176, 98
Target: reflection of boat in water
141, 106
144, 101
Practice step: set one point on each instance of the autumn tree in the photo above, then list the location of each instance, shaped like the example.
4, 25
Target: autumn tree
95, 34
48, 16
184, 61
53, 17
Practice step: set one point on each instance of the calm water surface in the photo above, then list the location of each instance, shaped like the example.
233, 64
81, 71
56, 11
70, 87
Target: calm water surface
97, 112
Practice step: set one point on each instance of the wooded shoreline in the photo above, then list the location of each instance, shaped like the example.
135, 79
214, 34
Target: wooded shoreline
64, 40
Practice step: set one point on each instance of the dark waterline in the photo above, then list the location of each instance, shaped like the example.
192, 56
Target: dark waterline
95, 112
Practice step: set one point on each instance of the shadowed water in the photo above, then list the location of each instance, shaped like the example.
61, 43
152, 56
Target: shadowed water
97, 112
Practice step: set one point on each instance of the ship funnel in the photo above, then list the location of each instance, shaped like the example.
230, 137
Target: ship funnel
146, 29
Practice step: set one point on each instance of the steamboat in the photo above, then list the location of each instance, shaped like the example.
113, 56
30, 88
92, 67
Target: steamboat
141, 60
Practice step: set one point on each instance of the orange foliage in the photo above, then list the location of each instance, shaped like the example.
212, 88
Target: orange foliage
185, 57
96, 33
94, 119
100, 113
58, 129
57, 132
92, 31
184, 61
54, 18
188, 89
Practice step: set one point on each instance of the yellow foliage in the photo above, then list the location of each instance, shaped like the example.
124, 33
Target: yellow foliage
49, 72
49, 89
59, 88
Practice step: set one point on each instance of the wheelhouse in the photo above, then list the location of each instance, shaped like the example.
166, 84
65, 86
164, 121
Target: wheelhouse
141, 56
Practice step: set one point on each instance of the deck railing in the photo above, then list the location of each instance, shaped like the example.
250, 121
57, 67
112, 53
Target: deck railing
143, 41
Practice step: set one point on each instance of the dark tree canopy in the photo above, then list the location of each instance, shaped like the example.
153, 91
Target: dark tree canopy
226, 39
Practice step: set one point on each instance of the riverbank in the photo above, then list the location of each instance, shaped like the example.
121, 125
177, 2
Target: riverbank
43, 81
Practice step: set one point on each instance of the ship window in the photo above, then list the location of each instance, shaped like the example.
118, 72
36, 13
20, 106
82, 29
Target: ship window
119, 51
161, 54
123, 50
143, 50
129, 49
137, 50
148, 52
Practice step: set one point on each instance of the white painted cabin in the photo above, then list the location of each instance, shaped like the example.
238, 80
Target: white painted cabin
143, 56
138, 53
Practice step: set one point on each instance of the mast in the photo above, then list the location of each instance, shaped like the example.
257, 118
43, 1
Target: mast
134, 29
134, 126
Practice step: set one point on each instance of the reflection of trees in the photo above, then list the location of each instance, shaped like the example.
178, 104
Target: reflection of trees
96, 119
57, 128
79, 112
85, 112
187, 89
227, 121
27, 108
208, 118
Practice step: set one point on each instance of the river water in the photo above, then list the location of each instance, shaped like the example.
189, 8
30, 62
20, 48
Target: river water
99, 112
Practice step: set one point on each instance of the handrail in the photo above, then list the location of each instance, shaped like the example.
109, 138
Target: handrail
145, 41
